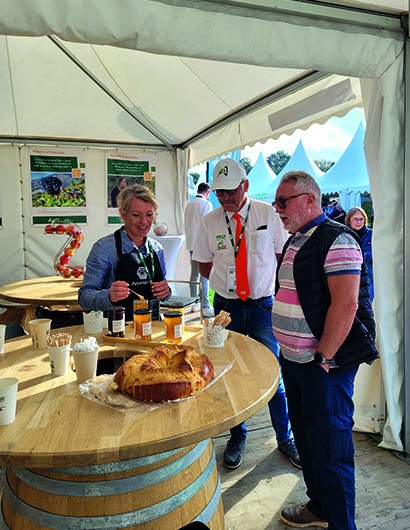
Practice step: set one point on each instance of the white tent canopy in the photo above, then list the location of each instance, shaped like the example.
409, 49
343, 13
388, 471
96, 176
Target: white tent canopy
349, 176
202, 78
260, 178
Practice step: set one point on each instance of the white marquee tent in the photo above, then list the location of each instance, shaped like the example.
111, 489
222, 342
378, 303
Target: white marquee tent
191, 80
260, 179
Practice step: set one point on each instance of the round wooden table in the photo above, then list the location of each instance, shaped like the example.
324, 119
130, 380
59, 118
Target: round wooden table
48, 291
75, 463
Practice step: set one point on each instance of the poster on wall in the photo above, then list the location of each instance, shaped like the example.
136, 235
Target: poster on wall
123, 169
58, 189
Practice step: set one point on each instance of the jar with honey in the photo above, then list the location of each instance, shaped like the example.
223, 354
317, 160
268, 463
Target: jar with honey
142, 324
173, 327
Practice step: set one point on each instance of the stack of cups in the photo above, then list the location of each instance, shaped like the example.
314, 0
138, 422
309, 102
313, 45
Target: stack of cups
40, 330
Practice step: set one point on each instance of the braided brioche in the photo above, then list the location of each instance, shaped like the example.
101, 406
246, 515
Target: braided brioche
166, 373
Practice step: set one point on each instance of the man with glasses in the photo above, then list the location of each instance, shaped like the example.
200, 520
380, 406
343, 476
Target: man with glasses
237, 247
322, 318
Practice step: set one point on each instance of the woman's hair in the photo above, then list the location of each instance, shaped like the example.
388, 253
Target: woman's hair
134, 191
352, 211
303, 182
119, 180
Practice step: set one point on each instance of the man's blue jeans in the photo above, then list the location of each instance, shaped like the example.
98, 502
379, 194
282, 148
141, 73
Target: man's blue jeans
255, 320
321, 409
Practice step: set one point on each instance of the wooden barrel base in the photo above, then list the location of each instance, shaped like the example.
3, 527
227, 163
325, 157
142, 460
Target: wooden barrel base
160, 492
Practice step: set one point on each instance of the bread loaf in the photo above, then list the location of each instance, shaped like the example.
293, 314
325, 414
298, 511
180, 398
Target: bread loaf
166, 373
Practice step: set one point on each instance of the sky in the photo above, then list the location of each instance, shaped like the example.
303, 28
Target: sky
327, 141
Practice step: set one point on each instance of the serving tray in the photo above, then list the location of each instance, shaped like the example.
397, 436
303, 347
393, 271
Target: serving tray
157, 334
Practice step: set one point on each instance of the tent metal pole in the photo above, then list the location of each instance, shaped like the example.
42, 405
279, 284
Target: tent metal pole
144, 123
83, 143
406, 250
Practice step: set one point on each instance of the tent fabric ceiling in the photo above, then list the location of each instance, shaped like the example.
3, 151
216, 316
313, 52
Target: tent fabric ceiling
177, 91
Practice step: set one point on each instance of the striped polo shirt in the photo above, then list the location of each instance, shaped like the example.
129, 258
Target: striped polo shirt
290, 328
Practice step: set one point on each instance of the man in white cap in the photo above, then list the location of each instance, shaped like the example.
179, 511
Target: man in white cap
237, 248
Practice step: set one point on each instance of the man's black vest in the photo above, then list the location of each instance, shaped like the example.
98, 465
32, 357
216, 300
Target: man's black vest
314, 296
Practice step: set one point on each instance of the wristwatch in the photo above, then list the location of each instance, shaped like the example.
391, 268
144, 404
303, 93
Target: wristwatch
320, 358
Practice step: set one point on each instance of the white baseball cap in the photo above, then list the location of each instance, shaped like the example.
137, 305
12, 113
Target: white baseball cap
228, 174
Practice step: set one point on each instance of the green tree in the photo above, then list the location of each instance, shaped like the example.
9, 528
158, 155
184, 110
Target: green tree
246, 162
324, 165
195, 177
277, 161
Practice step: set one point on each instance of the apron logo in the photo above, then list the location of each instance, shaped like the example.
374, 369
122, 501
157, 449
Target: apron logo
142, 273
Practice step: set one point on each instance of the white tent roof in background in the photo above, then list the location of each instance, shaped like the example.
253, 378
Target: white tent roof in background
303, 161
350, 171
260, 177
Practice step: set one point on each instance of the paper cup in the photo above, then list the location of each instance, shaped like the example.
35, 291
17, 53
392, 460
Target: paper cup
2, 337
93, 322
85, 365
40, 330
8, 399
214, 336
59, 359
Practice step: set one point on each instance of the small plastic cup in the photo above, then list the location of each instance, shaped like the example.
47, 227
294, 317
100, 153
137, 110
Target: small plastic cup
8, 399
59, 359
40, 330
173, 327
93, 321
85, 365
2, 337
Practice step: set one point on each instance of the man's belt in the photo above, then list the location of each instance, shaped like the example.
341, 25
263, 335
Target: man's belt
247, 301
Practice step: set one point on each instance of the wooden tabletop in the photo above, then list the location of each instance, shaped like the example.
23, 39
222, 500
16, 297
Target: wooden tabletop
52, 290
56, 427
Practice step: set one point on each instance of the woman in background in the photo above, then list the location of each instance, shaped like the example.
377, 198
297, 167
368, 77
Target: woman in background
356, 219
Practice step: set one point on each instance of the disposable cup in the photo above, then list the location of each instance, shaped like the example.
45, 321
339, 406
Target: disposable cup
2, 337
214, 336
85, 364
40, 330
8, 399
59, 359
93, 321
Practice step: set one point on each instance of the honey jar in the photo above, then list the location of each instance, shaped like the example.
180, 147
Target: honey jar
178, 307
140, 304
173, 327
142, 324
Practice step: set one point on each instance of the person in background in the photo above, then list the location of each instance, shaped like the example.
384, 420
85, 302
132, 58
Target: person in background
338, 214
127, 259
121, 183
194, 211
237, 247
322, 318
356, 218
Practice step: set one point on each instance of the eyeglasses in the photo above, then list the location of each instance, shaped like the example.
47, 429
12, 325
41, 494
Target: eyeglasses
230, 193
282, 202
358, 219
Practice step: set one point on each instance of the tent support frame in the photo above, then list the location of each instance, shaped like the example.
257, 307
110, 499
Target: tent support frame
105, 89
406, 250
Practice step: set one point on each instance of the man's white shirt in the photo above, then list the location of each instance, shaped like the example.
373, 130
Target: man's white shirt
264, 235
194, 211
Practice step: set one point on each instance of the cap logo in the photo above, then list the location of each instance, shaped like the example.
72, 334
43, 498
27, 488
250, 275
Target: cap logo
223, 171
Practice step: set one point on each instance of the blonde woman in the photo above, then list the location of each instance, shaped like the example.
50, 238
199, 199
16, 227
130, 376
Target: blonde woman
356, 219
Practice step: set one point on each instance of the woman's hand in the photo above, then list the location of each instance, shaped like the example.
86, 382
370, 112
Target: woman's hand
160, 289
119, 291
